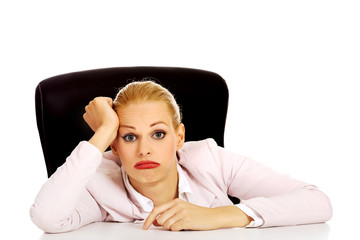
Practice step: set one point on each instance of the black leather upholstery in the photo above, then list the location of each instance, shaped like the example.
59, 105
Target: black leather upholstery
60, 103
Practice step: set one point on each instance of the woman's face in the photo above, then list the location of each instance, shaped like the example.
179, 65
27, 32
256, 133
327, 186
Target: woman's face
147, 143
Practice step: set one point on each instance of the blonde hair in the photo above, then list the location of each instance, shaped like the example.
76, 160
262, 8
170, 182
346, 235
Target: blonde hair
145, 91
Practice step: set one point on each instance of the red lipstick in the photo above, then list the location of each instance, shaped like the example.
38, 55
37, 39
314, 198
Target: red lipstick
146, 165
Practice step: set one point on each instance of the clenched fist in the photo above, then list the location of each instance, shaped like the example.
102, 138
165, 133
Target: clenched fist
103, 120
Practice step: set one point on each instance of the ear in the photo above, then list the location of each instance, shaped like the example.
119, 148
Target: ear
114, 148
180, 137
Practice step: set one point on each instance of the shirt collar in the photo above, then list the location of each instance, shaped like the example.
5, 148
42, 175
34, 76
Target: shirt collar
147, 204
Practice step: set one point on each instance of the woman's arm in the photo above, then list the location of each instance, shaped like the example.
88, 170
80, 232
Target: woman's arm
279, 199
63, 203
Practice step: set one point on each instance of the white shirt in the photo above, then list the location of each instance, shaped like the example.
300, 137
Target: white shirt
186, 194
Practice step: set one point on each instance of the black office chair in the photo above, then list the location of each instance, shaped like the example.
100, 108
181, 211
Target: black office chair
60, 103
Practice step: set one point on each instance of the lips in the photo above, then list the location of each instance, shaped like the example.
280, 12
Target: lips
146, 165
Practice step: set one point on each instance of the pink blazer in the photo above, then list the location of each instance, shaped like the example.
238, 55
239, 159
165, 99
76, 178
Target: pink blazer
89, 187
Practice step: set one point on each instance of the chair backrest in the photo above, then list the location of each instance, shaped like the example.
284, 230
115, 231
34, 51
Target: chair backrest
60, 103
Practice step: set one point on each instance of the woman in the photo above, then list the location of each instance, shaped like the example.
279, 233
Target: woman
151, 175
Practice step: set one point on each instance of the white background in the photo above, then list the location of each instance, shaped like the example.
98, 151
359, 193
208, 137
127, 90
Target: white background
292, 68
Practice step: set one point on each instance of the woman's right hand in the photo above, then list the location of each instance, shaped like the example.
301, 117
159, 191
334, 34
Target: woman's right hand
103, 120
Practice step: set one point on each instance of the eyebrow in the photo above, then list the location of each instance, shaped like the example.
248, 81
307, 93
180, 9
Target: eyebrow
151, 125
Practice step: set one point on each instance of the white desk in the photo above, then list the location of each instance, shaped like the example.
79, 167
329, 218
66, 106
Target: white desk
118, 231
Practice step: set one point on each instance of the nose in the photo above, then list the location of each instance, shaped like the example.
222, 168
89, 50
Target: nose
144, 148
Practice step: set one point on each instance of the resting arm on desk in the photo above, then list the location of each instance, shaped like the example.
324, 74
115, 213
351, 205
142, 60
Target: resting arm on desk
63, 203
279, 199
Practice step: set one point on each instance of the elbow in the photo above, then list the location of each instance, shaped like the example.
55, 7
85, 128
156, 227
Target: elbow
45, 222
328, 213
41, 221
320, 205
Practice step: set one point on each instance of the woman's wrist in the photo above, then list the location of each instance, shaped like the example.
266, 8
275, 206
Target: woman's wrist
103, 137
232, 216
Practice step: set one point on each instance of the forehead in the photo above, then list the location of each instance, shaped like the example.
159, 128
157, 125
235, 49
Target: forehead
144, 113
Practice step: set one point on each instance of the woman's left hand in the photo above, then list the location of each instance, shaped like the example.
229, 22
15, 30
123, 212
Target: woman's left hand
179, 215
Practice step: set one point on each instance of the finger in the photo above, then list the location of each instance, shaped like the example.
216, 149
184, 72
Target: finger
174, 222
151, 219
109, 101
168, 216
156, 223
155, 213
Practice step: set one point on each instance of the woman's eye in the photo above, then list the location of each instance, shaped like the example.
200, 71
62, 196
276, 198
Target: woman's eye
129, 138
159, 135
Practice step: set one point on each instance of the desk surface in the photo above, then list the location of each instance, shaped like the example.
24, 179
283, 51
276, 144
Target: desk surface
107, 231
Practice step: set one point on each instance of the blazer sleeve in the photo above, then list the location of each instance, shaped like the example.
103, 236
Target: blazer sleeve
279, 199
63, 203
